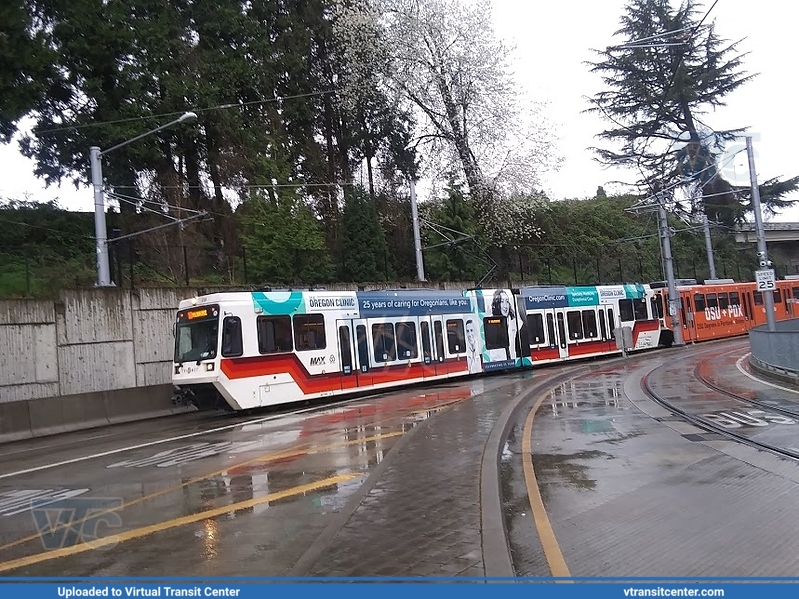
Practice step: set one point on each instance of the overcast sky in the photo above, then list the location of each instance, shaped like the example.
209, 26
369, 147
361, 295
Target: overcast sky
553, 40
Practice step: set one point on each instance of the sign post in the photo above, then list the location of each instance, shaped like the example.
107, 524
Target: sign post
766, 283
764, 276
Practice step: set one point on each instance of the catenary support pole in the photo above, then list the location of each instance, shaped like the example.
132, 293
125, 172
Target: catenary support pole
762, 254
674, 300
417, 239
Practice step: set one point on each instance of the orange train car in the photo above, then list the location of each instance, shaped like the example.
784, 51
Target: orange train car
722, 308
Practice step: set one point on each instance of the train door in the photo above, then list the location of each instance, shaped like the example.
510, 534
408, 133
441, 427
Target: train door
688, 310
602, 317
363, 372
438, 356
427, 347
559, 335
346, 354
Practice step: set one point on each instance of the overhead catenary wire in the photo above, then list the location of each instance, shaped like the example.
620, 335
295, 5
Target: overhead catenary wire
227, 106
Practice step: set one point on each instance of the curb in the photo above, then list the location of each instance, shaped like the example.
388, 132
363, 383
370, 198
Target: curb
328, 534
496, 546
773, 373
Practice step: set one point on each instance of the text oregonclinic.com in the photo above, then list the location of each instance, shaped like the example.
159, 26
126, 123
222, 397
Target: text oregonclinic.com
684, 592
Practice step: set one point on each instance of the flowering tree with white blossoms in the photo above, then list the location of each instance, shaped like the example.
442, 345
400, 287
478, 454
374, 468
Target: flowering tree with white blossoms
442, 59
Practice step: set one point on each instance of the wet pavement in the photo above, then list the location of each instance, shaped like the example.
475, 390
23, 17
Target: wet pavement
716, 392
394, 485
226, 496
631, 489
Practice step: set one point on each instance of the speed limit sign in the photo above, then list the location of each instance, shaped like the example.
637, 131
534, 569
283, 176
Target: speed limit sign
765, 280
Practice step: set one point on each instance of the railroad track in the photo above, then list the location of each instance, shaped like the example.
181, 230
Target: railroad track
702, 423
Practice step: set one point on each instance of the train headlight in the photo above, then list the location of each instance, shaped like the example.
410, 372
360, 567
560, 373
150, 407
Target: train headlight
209, 367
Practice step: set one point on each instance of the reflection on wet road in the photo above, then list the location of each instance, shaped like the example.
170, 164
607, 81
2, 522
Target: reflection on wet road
629, 488
731, 402
243, 499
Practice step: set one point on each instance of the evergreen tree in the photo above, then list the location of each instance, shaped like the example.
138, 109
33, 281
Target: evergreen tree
364, 252
284, 241
672, 68
455, 254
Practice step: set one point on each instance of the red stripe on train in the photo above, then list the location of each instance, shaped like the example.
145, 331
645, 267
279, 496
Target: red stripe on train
240, 368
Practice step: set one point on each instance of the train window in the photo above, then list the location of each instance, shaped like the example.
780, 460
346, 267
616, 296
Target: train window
455, 336
363, 347
611, 324
735, 299
575, 324
535, 323
589, 323
712, 302
723, 301
425, 330
699, 302
309, 332
657, 306
640, 309
232, 345
602, 329
383, 338
777, 296
626, 310
346, 350
551, 330
795, 291
496, 332
758, 298
406, 341
747, 301
274, 334
439, 333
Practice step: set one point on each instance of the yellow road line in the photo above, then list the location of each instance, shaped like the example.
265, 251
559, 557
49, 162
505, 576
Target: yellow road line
175, 522
279, 455
557, 565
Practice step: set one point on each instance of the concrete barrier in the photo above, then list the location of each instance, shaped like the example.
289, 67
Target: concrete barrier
778, 348
54, 415
775, 354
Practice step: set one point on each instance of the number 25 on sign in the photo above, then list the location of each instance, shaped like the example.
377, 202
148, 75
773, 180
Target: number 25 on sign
765, 280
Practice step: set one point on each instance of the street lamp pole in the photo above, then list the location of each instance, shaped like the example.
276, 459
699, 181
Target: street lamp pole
101, 235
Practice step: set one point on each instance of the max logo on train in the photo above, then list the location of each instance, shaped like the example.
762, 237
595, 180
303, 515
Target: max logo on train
318, 361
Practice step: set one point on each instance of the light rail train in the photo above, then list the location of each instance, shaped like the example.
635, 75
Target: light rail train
245, 350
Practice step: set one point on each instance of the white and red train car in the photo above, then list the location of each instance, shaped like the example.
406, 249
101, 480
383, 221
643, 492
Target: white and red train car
246, 350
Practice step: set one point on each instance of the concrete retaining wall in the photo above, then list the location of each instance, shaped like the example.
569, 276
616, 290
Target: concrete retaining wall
94, 357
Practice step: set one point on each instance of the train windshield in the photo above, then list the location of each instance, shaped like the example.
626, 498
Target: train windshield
197, 334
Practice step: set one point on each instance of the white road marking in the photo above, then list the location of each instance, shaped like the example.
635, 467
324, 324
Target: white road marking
17, 502
51, 446
754, 378
151, 443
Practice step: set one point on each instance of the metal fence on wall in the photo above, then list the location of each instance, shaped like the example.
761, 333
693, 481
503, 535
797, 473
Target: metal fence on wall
778, 348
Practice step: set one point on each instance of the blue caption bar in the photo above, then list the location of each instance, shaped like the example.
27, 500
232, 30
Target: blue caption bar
388, 587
